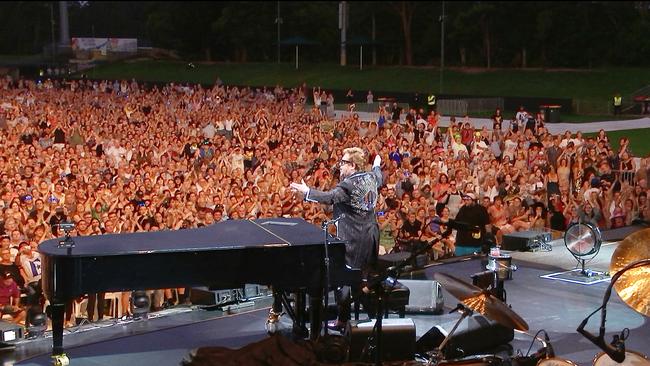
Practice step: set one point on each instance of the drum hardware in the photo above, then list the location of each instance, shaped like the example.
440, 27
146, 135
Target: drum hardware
633, 285
481, 301
475, 360
556, 361
502, 265
499, 269
473, 299
631, 358
633, 288
437, 355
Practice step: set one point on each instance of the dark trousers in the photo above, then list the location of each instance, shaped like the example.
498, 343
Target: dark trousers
98, 299
344, 297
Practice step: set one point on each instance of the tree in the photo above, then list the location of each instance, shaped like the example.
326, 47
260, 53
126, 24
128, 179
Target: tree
405, 9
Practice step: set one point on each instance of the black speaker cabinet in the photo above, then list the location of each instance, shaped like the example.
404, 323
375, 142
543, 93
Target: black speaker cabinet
474, 335
522, 240
398, 339
203, 296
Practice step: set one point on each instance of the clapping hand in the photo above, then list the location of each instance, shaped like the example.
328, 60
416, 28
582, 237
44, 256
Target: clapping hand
300, 187
377, 161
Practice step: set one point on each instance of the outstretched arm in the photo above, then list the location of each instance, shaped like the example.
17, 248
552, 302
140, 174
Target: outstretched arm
376, 170
336, 195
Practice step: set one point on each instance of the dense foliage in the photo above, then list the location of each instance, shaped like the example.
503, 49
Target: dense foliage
478, 33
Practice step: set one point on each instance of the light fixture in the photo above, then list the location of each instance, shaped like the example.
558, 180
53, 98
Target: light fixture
583, 242
36, 322
10, 331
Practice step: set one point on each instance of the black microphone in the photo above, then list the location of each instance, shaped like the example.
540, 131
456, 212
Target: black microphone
615, 351
454, 224
341, 216
334, 221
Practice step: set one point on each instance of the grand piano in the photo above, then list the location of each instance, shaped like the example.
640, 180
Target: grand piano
286, 253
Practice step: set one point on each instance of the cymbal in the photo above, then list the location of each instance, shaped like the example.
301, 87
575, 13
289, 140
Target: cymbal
481, 301
633, 287
457, 287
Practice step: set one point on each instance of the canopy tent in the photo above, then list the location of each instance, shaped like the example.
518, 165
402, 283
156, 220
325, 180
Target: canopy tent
298, 41
361, 41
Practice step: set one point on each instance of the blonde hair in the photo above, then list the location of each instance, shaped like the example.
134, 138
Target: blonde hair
357, 156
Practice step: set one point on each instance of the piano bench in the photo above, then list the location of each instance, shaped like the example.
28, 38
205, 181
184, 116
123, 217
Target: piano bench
396, 301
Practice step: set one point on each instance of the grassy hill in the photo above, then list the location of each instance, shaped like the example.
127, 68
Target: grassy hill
593, 85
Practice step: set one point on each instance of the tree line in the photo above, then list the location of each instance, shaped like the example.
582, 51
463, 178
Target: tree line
477, 33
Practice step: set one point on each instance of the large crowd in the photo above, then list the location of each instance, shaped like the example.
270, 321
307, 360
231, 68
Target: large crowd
119, 157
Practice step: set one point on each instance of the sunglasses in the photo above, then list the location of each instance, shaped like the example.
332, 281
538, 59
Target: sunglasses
343, 162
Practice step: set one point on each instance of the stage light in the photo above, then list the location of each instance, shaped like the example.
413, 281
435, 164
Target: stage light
140, 304
583, 242
10, 331
36, 323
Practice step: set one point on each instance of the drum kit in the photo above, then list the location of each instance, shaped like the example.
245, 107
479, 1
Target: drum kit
630, 267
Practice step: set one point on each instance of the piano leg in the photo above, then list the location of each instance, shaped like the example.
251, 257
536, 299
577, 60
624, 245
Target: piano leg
57, 312
315, 313
277, 301
273, 321
299, 322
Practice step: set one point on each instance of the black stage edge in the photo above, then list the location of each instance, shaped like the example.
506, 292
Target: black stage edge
555, 306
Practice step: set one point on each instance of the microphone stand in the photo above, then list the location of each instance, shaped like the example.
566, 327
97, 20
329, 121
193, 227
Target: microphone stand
615, 350
326, 242
438, 353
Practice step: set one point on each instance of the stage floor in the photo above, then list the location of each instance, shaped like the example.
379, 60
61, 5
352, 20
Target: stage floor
556, 306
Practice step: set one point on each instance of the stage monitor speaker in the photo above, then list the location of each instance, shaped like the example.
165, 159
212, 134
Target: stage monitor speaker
426, 296
204, 296
522, 240
394, 259
10, 332
474, 335
397, 343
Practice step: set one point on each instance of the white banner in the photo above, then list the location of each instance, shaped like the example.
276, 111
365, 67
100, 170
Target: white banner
105, 44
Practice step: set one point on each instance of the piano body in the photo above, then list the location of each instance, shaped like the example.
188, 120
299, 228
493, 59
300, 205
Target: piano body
280, 252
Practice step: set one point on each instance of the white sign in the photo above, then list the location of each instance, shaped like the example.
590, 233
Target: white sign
105, 44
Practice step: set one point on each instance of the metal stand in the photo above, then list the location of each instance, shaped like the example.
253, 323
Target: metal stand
326, 261
437, 354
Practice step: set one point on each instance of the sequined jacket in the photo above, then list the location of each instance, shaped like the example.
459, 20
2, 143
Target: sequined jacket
356, 197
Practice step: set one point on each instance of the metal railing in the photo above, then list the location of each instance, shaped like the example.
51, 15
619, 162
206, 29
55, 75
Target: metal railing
461, 107
369, 108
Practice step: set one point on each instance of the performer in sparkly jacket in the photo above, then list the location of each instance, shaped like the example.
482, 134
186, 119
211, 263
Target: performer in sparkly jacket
355, 197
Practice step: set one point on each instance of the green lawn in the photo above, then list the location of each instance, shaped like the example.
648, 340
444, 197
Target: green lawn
593, 85
568, 118
638, 140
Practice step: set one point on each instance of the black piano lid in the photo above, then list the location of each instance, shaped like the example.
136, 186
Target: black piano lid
232, 234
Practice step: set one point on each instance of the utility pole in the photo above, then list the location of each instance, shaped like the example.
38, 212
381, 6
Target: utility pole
278, 20
442, 45
64, 26
343, 26
52, 32
374, 38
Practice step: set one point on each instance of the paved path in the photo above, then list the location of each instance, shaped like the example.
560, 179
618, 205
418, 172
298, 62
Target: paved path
554, 128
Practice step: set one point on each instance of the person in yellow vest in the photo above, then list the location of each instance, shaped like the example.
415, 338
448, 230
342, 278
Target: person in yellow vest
431, 102
618, 101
